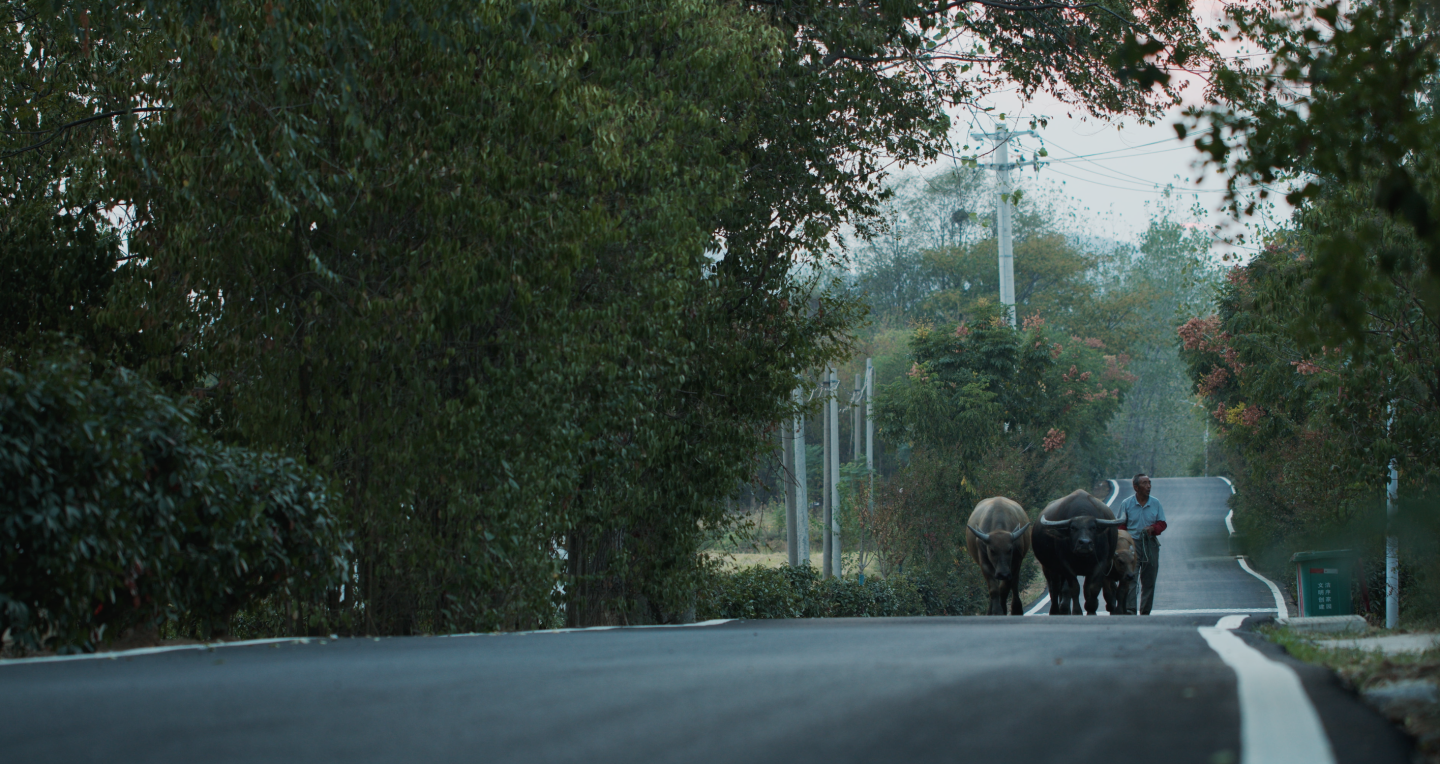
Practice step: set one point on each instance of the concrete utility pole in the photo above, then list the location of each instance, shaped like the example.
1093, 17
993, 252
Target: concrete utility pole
855, 415
787, 479
834, 406
1207, 446
797, 495
1004, 212
869, 439
870, 423
1392, 550
830, 557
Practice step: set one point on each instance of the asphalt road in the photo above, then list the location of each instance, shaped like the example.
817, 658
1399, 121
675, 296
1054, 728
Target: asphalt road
1076, 690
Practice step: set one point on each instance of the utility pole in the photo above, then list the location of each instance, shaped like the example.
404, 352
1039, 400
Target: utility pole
834, 406
1207, 446
855, 396
1005, 235
869, 437
830, 556
1392, 542
787, 478
797, 495
1392, 550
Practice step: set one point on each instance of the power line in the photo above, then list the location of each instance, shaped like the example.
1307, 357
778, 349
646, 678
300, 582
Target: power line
1097, 164
1127, 148
1151, 190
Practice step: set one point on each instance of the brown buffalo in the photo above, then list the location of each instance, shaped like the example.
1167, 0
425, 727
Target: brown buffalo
997, 537
1076, 537
1123, 569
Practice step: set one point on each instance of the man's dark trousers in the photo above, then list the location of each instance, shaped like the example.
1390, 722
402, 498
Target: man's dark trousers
1147, 548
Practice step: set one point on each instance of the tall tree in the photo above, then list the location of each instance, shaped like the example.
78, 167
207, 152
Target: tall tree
520, 277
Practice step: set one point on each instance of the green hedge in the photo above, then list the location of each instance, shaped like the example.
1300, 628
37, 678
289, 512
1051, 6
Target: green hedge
117, 512
786, 592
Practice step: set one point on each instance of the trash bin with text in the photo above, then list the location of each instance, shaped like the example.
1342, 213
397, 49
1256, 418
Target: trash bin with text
1323, 582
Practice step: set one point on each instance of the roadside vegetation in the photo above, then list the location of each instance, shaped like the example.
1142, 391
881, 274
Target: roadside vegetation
483, 317
1321, 364
1400, 686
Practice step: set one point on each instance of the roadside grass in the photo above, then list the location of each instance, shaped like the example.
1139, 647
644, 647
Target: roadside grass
1373, 675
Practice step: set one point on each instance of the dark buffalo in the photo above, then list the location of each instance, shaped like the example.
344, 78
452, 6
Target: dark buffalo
998, 536
1076, 537
1123, 569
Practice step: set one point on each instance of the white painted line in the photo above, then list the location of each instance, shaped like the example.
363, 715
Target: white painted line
1227, 482
1214, 611
712, 622
1230, 622
1229, 522
153, 650
1278, 723
1280, 608
306, 640
1043, 602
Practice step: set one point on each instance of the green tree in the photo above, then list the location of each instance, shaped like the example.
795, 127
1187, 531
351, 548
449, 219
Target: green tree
515, 278
992, 410
1160, 430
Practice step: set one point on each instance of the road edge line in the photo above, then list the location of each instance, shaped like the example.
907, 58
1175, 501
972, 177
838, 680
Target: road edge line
1278, 721
711, 622
1282, 612
112, 655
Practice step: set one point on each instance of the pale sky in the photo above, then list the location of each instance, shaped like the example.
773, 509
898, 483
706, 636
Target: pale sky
1113, 169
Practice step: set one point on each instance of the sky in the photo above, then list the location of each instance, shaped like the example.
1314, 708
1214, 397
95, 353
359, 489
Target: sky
1118, 171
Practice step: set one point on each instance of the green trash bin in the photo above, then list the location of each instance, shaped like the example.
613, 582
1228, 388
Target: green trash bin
1323, 579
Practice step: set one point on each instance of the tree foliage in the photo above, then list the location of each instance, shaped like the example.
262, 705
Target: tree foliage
526, 282
119, 514
992, 410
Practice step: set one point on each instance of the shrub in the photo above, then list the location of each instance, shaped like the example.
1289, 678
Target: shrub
785, 592
116, 512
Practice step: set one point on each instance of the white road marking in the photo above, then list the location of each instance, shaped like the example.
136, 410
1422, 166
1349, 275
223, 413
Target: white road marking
306, 640
1035, 609
1278, 723
153, 650
1214, 611
711, 622
1280, 608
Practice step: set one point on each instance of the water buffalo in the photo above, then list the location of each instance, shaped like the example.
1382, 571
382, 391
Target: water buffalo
1123, 569
997, 537
1076, 537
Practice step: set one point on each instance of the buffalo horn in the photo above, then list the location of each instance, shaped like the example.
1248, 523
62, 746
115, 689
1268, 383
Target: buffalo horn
982, 536
1018, 532
1117, 521
1052, 523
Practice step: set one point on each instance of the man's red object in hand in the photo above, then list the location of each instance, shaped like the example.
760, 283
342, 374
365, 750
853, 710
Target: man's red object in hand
1158, 528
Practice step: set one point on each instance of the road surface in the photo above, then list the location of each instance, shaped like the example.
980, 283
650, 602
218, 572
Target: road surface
1170, 688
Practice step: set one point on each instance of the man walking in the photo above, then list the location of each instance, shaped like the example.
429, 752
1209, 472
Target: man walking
1145, 519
